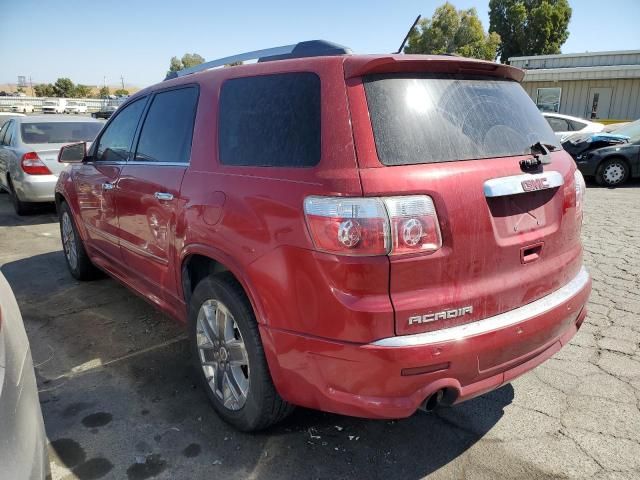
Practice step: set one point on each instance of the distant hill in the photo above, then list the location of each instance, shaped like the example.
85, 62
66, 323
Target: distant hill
13, 87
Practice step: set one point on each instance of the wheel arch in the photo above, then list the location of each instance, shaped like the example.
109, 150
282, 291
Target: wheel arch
199, 261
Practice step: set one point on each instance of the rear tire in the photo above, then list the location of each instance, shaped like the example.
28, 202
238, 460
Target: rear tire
612, 173
21, 208
78, 261
229, 358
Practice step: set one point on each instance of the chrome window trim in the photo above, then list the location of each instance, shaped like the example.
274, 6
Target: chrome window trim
497, 322
164, 164
502, 186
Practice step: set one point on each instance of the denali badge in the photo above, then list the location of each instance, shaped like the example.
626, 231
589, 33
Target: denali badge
444, 315
535, 184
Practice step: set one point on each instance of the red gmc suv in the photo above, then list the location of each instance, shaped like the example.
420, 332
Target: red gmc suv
360, 234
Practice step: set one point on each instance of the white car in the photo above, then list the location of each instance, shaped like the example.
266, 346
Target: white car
54, 106
565, 126
22, 108
75, 107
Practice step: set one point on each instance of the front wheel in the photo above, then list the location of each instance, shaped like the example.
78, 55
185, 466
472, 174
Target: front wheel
76, 256
612, 172
229, 357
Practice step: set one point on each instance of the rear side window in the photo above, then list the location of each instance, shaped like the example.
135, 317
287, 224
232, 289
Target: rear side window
429, 119
270, 121
168, 127
59, 132
558, 124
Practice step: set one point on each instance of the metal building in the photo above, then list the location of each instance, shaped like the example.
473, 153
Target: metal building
596, 86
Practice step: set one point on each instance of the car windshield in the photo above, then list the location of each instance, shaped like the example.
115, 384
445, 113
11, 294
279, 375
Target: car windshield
631, 130
59, 132
49, 103
430, 118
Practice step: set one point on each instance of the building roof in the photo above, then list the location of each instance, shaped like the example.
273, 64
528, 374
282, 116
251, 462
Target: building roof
607, 72
573, 55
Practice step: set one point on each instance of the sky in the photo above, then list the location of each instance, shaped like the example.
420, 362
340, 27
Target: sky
91, 42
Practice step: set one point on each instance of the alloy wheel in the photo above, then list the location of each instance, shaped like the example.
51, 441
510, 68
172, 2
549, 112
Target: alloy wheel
222, 354
69, 241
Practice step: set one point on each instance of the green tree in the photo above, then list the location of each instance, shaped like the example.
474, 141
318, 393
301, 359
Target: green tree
188, 60
20, 90
63, 87
529, 27
104, 92
121, 92
44, 90
453, 31
81, 91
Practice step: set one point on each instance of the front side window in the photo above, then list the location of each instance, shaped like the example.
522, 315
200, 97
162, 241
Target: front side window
168, 127
115, 143
270, 121
548, 99
430, 118
59, 132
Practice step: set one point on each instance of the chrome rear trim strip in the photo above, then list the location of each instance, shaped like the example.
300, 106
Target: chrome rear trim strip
503, 320
499, 187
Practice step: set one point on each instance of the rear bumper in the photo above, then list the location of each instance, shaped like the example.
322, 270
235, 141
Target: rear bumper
392, 377
36, 188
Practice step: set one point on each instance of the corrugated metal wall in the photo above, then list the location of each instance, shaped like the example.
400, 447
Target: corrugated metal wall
625, 102
591, 60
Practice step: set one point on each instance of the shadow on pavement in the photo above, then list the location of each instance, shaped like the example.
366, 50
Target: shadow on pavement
120, 400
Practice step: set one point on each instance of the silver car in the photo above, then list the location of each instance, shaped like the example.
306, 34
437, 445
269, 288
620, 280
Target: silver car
23, 451
29, 149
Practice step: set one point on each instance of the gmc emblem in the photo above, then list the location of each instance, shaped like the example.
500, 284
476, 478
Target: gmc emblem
535, 184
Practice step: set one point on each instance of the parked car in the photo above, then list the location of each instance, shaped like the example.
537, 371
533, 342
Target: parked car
6, 116
23, 442
56, 105
611, 158
22, 108
29, 152
360, 234
105, 112
75, 107
564, 126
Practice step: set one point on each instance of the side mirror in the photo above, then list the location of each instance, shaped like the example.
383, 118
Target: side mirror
73, 153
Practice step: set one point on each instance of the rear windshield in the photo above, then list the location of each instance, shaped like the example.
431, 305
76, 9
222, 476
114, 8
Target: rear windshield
444, 118
59, 132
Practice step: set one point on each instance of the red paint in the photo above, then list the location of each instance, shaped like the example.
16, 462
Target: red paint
318, 312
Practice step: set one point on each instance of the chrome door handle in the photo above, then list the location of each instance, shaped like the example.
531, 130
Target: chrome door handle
163, 197
108, 186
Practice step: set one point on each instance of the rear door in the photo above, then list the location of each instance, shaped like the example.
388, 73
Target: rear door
509, 236
149, 192
96, 180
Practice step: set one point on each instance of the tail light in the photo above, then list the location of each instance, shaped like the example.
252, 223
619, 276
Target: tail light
581, 189
373, 226
32, 164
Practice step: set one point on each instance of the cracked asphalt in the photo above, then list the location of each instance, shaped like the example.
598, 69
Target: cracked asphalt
120, 401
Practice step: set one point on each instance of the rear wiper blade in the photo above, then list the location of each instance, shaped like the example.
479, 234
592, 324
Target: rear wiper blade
540, 152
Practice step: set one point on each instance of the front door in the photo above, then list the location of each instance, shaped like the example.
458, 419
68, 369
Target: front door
149, 194
97, 178
599, 103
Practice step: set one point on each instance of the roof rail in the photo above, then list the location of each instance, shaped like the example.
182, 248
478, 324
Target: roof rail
310, 48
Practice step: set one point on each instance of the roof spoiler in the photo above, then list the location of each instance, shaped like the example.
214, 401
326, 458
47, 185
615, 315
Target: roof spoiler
362, 65
310, 48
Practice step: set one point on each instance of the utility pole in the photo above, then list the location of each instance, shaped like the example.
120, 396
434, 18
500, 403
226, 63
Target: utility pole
122, 80
31, 85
